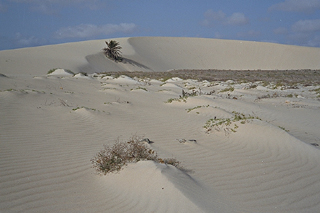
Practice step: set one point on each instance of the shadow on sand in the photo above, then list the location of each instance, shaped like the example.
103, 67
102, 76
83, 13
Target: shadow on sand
134, 63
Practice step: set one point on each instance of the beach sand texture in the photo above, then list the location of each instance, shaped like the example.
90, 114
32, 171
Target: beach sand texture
52, 125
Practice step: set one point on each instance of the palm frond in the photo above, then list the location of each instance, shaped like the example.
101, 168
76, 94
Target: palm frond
113, 50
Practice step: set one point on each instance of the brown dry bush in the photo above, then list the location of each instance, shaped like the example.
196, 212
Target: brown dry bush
113, 158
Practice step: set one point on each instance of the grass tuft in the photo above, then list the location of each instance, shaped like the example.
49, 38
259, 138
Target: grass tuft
228, 89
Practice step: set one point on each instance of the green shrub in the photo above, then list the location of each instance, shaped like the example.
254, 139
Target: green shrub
228, 89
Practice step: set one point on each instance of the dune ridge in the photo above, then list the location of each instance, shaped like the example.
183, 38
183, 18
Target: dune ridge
160, 54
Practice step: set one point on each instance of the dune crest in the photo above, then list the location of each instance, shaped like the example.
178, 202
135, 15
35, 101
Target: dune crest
160, 54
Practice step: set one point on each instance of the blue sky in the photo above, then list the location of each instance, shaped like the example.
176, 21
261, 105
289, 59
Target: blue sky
28, 23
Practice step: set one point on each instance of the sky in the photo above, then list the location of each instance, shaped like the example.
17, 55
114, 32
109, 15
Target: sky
29, 23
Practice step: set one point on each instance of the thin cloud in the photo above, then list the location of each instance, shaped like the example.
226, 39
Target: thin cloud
314, 42
90, 30
237, 19
305, 33
27, 41
218, 17
307, 6
306, 26
304, 39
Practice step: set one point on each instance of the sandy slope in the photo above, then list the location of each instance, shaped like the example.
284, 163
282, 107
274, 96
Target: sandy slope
52, 125
159, 54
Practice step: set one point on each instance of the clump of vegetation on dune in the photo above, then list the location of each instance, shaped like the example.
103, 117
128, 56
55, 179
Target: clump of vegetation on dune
228, 124
113, 158
194, 108
228, 89
317, 91
181, 99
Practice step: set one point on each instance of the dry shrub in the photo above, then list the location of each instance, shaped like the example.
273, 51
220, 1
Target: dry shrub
170, 161
113, 158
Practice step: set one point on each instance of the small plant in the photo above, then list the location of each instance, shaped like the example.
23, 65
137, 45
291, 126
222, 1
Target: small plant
181, 99
228, 124
197, 107
143, 88
190, 94
253, 86
265, 83
189, 110
317, 91
75, 109
283, 128
84, 73
170, 161
113, 158
10, 90
51, 71
166, 77
69, 71
228, 89
280, 84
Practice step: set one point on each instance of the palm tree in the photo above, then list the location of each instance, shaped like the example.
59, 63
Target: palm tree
113, 50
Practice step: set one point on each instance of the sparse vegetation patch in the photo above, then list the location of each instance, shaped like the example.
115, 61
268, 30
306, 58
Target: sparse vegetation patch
284, 129
228, 124
92, 109
113, 158
142, 88
181, 99
197, 107
228, 89
317, 91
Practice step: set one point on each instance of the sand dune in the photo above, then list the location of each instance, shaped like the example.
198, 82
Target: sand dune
266, 160
160, 54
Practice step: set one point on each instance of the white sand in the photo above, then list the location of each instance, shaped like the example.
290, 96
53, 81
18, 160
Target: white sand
159, 54
52, 125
